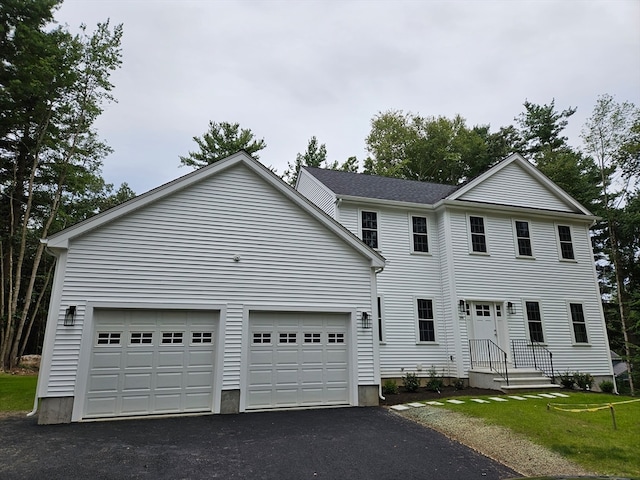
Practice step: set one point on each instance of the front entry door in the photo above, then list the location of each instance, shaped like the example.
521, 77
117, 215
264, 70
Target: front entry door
484, 322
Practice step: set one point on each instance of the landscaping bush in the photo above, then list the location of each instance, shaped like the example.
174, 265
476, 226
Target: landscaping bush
411, 382
584, 381
435, 382
567, 380
457, 383
389, 387
606, 386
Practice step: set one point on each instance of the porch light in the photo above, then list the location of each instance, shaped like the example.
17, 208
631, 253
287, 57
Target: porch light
461, 307
366, 320
511, 308
70, 316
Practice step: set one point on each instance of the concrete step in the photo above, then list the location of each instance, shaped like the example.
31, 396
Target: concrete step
513, 388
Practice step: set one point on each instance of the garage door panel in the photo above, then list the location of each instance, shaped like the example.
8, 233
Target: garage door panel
315, 356
312, 375
335, 394
137, 374
287, 397
260, 378
287, 357
287, 377
261, 357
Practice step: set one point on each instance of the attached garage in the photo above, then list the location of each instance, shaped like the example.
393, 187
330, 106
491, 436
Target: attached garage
298, 359
151, 362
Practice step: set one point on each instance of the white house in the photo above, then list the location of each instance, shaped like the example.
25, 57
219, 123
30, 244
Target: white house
495, 274
223, 291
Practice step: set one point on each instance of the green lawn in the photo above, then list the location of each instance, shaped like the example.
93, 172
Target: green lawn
587, 438
17, 392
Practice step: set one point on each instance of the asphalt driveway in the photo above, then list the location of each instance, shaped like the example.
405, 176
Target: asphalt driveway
343, 443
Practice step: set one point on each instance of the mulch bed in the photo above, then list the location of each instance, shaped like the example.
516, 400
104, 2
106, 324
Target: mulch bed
424, 394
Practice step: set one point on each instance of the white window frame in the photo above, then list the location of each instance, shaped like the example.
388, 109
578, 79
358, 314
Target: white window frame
516, 243
559, 243
470, 235
377, 230
417, 322
526, 319
412, 233
572, 323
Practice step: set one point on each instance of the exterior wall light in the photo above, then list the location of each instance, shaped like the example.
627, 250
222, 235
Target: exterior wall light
461, 307
366, 320
70, 316
511, 308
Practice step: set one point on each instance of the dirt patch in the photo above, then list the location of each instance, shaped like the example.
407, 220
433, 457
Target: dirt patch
424, 394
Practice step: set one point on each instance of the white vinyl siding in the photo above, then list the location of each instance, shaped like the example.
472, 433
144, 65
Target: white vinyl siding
317, 193
181, 250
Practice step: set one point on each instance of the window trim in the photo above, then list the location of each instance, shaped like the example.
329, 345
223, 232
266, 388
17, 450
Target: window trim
516, 239
526, 319
377, 230
572, 323
559, 243
382, 337
470, 235
412, 234
417, 320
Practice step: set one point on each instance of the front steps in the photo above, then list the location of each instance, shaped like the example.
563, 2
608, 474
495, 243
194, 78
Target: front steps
520, 379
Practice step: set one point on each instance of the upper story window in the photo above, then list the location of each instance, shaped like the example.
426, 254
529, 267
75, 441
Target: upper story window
426, 323
370, 228
579, 323
566, 244
534, 319
523, 237
478, 236
420, 235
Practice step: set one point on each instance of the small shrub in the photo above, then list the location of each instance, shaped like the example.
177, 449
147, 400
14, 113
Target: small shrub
435, 382
584, 381
411, 382
389, 387
458, 384
606, 386
567, 380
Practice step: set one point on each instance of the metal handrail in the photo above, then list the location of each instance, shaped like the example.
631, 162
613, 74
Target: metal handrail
533, 354
485, 353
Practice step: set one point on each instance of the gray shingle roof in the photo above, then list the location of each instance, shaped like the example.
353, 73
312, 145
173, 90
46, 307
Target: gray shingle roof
383, 188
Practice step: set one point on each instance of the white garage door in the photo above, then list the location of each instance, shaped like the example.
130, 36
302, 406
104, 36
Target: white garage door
151, 362
297, 359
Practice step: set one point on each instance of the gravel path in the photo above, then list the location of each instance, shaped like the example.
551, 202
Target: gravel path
497, 443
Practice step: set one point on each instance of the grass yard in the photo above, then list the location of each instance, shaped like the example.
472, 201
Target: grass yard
586, 438
17, 392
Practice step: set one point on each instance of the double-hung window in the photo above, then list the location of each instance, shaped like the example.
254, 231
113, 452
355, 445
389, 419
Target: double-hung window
534, 319
369, 228
566, 244
478, 235
426, 323
579, 323
420, 238
523, 238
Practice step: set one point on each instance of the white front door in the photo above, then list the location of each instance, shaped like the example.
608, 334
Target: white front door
488, 323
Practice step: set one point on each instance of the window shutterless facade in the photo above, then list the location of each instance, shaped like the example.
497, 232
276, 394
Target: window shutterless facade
523, 238
566, 243
534, 319
369, 227
579, 323
420, 236
426, 323
478, 235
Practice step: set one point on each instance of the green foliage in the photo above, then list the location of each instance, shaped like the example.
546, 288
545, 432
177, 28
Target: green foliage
606, 386
411, 382
541, 127
221, 140
584, 381
587, 438
435, 382
567, 380
390, 387
314, 156
17, 392
457, 383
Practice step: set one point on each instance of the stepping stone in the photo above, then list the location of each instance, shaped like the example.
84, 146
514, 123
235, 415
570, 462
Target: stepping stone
559, 395
498, 399
479, 400
515, 397
547, 395
532, 396
400, 408
416, 404
435, 403
456, 402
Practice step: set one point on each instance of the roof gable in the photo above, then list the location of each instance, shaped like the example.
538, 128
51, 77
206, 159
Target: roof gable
381, 188
515, 182
137, 204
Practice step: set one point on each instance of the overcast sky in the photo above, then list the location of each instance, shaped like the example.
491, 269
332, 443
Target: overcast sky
292, 69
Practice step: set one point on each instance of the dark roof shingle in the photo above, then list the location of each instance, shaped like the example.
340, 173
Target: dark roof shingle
383, 188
